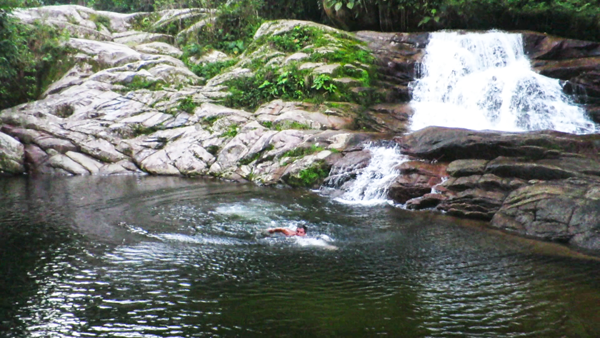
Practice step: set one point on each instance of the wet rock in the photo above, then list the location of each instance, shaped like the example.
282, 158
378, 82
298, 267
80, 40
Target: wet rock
461, 168
416, 179
389, 117
449, 144
426, 201
566, 211
547, 47
348, 167
12, 155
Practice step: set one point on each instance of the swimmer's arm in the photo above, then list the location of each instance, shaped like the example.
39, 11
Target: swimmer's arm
284, 231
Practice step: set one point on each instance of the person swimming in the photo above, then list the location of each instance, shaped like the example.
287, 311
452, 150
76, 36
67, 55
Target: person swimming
300, 231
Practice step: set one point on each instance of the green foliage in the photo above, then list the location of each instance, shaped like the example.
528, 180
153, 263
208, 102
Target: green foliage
232, 29
267, 84
571, 18
213, 150
209, 70
140, 82
231, 132
250, 159
311, 176
100, 20
31, 56
187, 105
210, 120
303, 151
267, 124
350, 4
293, 41
139, 129
292, 125
143, 22
323, 82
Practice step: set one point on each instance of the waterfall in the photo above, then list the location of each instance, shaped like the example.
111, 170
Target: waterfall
485, 81
371, 185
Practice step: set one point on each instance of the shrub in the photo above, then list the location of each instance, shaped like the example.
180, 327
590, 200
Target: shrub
31, 57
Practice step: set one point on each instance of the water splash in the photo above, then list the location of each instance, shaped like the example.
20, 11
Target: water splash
485, 81
371, 185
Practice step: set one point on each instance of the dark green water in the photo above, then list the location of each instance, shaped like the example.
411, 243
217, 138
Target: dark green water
170, 257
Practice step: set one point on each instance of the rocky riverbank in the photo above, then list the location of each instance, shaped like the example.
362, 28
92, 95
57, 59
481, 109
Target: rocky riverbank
129, 104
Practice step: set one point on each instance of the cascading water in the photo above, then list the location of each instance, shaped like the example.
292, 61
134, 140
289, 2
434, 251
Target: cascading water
475, 81
371, 185
485, 81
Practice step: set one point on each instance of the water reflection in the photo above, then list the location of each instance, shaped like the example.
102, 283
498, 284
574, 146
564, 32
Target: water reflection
169, 257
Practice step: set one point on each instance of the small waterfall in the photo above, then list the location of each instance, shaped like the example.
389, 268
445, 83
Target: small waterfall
371, 185
485, 81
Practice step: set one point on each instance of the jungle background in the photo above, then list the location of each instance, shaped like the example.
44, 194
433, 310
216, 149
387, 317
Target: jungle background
27, 52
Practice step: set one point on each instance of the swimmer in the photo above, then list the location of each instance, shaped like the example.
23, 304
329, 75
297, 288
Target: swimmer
300, 231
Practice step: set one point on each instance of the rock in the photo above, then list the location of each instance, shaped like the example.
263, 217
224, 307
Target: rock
347, 168
12, 155
546, 47
159, 48
389, 117
106, 54
134, 38
594, 113
212, 57
426, 201
91, 165
415, 180
397, 54
296, 57
450, 144
461, 168
566, 211
60, 161
277, 27
327, 69
178, 15
473, 203
192, 31
570, 68
228, 76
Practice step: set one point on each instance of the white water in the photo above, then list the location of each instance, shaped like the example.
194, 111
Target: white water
371, 185
485, 81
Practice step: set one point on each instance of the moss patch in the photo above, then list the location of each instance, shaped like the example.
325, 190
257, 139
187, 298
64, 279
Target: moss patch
311, 176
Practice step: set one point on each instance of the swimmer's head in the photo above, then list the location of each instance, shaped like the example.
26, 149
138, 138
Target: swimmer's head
301, 230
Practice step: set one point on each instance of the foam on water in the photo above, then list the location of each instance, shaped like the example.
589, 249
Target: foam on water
485, 81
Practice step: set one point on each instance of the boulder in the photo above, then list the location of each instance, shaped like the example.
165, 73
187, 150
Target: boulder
12, 155
566, 210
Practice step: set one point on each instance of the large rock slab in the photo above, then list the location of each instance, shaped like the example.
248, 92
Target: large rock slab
567, 211
449, 144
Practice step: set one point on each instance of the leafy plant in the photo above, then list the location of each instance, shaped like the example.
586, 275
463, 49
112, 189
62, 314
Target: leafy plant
139, 129
231, 132
100, 21
187, 105
310, 176
294, 40
31, 56
292, 125
303, 151
323, 82
213, 150
210, 70
140, 82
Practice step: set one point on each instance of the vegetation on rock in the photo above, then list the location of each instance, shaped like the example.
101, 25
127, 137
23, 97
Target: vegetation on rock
31, 57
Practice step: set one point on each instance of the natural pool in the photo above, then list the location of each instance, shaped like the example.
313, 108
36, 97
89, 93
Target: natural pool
173, 257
